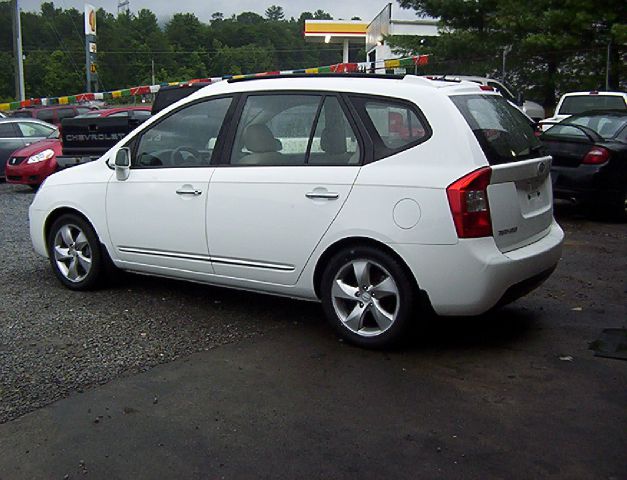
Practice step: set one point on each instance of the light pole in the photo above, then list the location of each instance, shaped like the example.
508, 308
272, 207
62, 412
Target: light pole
506, 50
17, 51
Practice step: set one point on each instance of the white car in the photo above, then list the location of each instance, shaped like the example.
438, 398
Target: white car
579, 102
383, 198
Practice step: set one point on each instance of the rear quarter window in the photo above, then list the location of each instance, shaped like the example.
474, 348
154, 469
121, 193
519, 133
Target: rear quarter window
393, 125
504, 133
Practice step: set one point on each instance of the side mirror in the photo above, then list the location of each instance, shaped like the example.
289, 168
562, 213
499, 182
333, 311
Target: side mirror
122, 164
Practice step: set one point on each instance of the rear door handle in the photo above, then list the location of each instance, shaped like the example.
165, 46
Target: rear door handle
322, 195
188, 192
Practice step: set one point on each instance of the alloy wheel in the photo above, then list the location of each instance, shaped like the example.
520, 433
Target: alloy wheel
72, 253
365, 297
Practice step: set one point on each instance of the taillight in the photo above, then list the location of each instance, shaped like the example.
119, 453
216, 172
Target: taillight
596, 156
468, 200
486, 87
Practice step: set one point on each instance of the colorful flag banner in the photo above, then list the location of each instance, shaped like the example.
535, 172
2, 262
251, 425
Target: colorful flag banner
407, 62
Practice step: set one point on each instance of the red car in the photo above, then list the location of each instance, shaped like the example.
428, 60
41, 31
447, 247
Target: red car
53, 114
32, 164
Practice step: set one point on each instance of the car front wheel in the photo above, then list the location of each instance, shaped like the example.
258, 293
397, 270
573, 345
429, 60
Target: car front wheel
368, 296
74, 252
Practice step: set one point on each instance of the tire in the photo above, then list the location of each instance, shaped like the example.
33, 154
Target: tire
75, 253
619, 210
377, 316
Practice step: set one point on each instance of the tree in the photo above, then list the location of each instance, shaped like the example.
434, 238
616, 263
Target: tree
321, 15
274, 13
128, 44
556, 46
249, 18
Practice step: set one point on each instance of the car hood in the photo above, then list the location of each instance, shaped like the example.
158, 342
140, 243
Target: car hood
40, 146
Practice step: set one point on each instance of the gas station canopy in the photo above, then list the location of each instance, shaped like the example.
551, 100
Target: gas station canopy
336, 31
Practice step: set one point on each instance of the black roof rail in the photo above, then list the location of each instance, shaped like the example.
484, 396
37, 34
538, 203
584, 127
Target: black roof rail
317, 75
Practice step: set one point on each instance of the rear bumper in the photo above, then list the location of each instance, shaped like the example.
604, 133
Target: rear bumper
584, 183
473, 276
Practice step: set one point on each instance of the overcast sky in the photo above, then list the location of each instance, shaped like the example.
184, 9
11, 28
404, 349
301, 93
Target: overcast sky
365, 9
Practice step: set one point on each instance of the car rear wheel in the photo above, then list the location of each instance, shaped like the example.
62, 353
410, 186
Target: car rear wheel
368, 296
74, 252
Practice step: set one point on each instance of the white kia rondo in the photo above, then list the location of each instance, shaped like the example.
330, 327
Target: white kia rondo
382, 197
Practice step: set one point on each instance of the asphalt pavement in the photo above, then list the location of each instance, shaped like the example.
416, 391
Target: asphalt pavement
161, 379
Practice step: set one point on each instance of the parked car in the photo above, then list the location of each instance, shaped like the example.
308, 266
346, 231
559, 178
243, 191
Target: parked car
32, 164
170, 94
589, 153
86, 137
298, 187
579, 102
533, 110
54, 114
2, 115
16, 133
137, 112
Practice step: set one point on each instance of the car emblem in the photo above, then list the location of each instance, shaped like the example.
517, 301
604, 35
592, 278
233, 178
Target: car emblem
541, 168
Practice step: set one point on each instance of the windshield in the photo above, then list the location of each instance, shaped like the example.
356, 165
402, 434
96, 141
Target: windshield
503, 132
54, 134
584, 103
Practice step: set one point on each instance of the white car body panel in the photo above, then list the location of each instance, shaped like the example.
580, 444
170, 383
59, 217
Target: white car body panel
148, 220
253, 227
272, 208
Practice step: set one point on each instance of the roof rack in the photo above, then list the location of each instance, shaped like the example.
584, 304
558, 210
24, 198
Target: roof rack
316, 75
444, 78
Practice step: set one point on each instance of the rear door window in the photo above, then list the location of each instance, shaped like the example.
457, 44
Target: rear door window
275, 129
503, 132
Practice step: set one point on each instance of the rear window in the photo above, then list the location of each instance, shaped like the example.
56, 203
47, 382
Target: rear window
585, 103
45, 115
65, 113
504, 133
607, 126
22, 114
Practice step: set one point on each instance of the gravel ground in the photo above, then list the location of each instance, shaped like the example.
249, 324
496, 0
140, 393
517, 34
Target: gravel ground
54, 341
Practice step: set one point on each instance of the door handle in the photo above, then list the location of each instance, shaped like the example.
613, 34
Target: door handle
188, 192
316, 195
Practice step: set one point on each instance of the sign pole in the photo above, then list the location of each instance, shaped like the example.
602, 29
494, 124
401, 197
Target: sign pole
91, 70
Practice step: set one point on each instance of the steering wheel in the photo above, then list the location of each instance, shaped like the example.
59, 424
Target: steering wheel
193, 158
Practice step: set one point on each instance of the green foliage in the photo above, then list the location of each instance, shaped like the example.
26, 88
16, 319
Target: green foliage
275, 13
128, 44
555, 46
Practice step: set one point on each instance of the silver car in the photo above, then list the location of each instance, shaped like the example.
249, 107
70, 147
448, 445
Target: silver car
18, 133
